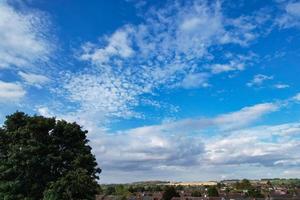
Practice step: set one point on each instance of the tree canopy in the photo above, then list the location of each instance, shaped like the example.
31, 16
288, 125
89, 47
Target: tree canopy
45, 158
169, 193
212, 191
243, 185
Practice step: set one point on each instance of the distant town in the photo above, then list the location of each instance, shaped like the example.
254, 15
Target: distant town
264, 189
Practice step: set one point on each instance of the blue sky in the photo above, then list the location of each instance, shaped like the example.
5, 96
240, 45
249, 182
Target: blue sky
169, 90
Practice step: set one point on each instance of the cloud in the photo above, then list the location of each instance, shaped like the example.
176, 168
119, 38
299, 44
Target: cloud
291, 16
226, 142
245, 116
134, 151
195, 80
108, 95
258, 80
119, 45
281, 86
219, 68
297, 97
11, 92
169, 144
33, 79
256, 145
44, 111
22, 40
172, 149
236, 62
232, 66
165, 50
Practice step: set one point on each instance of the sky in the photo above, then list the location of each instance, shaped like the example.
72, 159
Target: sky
179, 90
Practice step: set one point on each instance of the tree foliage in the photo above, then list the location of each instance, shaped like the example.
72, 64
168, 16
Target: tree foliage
45, 158
254, 193
212, 191
244, 185
196, 193
169, 193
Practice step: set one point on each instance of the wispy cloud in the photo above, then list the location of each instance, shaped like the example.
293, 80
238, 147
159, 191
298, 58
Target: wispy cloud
11, 92
291, 17
22, 40
160, 52
281, 86
246, 115
258, 80
33, 79
195, 80
256, 145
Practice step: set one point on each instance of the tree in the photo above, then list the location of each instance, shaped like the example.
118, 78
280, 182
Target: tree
45, 158
212, 192
244, 185
254, 193
196, 193
169, 193
110, 190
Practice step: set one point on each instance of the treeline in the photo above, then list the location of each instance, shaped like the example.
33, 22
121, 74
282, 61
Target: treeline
126, 190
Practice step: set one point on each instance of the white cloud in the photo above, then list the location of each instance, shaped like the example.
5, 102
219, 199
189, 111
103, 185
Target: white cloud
34, 79
119, 45
281, 86
169, 144
293, 9
22, 39
134, 150
258, 80
195, 80
297, 97
164, 51
219, 68
255, 145
167, 149
44, 111
109, 95
246, 115
291, 16
10, 92
222, 143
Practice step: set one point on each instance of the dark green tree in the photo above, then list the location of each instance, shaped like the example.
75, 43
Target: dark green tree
212, 191
169, 193
244, 185
254, 193
196, 193
45, 158
110, 190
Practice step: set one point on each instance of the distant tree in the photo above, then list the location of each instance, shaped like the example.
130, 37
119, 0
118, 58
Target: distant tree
158, 188
100, 190
154, 188
44, 158
220, 185
169, 193
196, 193
212, 191
244, 185
255, 193
269, 183
140, 188
131, 189
179, 187
110, 190
121, 190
